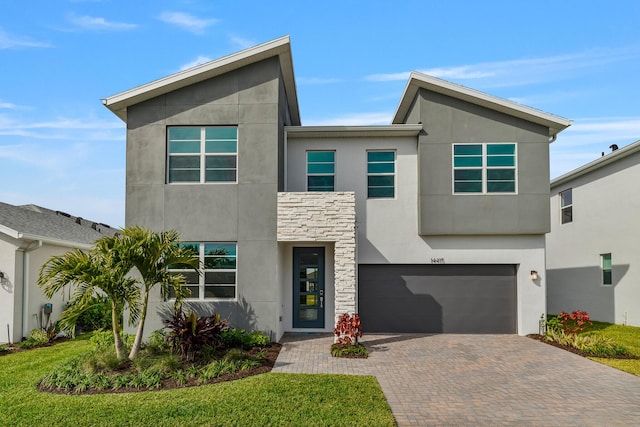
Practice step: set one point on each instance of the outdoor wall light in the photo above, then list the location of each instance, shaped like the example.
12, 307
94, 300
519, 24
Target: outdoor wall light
534, 275
1, 275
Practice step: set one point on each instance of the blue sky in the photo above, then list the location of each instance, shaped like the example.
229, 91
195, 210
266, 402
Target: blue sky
60, 148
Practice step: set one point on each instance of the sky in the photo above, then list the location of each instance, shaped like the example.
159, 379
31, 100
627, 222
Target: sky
62, 149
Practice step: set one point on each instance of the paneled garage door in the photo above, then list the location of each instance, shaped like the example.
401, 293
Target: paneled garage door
438, 298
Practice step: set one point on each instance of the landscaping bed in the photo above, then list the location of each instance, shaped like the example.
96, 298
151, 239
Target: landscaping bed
574, 350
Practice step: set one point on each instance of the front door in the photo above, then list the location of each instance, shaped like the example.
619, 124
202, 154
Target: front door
308, 288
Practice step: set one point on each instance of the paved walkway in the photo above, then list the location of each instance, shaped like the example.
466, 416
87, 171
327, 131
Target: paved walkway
478, 379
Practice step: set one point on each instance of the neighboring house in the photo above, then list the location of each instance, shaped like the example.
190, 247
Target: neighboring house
29, 236
593, 250
431, 224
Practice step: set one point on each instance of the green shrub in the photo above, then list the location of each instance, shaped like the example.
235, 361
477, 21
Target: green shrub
234, 338
97, 316
36, 338
104, 360
158, 342
356, 351
592, 344
103, 340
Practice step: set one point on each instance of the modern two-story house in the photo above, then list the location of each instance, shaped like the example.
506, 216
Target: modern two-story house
592, 251
434, 223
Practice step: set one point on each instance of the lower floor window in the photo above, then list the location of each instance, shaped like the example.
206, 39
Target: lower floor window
218, 280
607, 278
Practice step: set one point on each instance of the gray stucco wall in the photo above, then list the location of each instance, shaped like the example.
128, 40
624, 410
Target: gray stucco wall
242, 212
447, 121
606, 209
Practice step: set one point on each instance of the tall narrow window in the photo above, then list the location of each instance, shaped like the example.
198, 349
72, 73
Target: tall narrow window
484, 168
566, 206
381, 170
607, 278
219, 279
321, 170
202, 154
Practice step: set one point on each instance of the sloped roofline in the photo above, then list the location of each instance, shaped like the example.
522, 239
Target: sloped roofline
614, 156
279, 47
419, 80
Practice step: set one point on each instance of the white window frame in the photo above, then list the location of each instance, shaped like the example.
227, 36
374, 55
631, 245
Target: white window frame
569, 206
202, 277
203, 157
319, 174
484, 168
394, 174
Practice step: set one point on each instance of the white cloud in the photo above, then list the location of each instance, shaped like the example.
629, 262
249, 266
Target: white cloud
187, 22
198, 61
242, 43
353, 119
75, 129
99, 24
520, 71
8, 105
9, 41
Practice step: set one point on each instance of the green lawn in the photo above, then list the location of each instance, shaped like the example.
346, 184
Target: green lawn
628, 336
269, 399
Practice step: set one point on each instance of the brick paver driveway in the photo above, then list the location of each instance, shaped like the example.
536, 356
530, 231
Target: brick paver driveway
478, 379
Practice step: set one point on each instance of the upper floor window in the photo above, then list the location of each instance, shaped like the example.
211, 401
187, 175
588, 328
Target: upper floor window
202, 154
219, 278
321, 170
381, 171
605, 262
484, 168
566, 206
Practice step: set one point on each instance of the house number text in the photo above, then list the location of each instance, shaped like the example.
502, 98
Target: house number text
437, 261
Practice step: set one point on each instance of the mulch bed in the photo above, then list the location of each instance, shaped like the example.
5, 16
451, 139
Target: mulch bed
574, 350
270, 355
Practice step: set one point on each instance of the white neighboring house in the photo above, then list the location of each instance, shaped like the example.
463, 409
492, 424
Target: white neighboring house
29, 236
593, 249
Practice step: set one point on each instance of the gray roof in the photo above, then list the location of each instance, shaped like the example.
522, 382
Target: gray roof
33, 222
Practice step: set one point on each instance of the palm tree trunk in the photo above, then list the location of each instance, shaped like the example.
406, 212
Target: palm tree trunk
137, 343
117, 340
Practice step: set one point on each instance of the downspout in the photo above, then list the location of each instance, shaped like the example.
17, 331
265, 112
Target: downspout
553, 138
25, 285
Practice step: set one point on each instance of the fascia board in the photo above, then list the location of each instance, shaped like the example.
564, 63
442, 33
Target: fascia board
418, 80
9, 231
56, 242
597, 164
352, 131
279, 47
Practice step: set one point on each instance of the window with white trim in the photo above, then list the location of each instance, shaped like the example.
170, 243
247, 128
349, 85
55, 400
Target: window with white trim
607, 269
321, 170
202, 154
381, 174
487, 168
566, 206
218, 280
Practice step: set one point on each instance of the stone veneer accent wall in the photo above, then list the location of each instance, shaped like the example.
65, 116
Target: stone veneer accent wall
325, 217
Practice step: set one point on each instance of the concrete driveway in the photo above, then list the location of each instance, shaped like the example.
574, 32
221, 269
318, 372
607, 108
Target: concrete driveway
477, 379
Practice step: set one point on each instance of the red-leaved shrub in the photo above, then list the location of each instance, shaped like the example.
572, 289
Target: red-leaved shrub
574, 322
348, 329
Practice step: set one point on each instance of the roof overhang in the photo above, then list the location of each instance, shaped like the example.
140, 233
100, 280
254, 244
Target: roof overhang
280, 48
597, 164
352, 131
422, 81
55, 242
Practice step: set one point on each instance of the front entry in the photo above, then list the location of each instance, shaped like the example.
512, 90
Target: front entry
308, 288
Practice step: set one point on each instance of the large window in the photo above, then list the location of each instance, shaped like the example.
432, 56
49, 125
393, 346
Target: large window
219, 278
484, 168
381, 170
202, 154
566, 206
607, 269
321, 170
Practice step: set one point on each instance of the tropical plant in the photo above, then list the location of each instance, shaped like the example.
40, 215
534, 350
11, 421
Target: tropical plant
152, 253
190, 334
101, 271
348, 329
96, 316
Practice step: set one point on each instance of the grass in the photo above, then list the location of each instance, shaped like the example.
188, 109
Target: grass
628, 336
268, 399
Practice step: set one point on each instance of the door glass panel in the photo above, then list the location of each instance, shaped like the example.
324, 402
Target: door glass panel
309, 300
307, 286
308, 314
309, 273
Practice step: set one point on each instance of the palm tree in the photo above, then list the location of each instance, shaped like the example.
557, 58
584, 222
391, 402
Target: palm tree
102, 270
151, 254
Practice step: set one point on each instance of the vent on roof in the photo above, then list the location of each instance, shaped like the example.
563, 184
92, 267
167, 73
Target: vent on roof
94, 225
63, 214
79, 220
